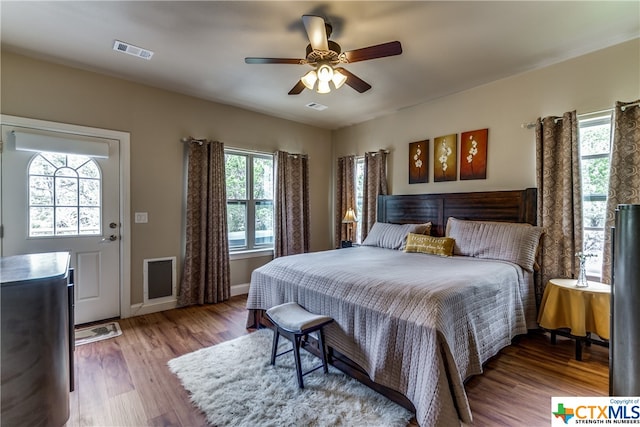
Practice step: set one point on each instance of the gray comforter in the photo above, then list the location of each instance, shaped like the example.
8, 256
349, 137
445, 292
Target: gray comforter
419, 324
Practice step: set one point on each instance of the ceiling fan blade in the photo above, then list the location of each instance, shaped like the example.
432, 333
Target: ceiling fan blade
297, 89
354, 81
316, 31
273, 61
373, 52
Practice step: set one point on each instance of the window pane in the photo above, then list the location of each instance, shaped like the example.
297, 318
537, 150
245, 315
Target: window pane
57, 160
40, 191
595, 139
66, 191
75, 161
89, 170
41, 166
89, 192
89, 220
262, 178
66, 221
595, 176
237, 224
40, 221
264, 223
594, 213
236, 176
359, 195
593, 244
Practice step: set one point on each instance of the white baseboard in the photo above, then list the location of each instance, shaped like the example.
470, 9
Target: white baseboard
148, 308
240, 289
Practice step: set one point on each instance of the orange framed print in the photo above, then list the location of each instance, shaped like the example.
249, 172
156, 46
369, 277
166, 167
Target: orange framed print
473, 154
419, 162
445, 157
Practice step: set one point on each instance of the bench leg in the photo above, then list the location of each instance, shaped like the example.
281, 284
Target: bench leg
323, 351
274, 346
296, 353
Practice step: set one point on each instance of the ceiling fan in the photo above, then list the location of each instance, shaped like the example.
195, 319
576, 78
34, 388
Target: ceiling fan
324, 55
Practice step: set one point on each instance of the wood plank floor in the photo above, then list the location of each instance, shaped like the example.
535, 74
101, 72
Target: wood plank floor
124, 381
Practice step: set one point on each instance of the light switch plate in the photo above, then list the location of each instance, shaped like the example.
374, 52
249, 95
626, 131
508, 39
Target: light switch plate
141, 218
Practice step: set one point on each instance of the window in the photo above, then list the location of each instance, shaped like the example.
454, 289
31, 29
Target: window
359, 196
595, 148
64, 195
249, 179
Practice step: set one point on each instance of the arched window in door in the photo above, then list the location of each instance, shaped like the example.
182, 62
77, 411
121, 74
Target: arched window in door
64, 195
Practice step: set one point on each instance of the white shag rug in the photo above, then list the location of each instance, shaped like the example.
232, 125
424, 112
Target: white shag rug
234, 385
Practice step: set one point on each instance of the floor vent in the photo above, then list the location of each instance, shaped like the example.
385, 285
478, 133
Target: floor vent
159, 279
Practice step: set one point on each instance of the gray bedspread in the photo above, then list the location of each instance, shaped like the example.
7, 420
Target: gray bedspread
419, 324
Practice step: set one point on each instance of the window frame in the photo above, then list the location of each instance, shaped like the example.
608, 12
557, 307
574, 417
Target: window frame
251, 202
584, 122
55, 204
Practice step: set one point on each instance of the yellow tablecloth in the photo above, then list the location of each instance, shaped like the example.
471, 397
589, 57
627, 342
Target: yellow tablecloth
581, 310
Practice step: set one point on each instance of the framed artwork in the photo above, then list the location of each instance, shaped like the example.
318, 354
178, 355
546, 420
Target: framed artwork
473, 154
445, 157
419, 162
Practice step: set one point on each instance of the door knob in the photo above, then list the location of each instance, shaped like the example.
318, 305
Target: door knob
113, 225
111, 238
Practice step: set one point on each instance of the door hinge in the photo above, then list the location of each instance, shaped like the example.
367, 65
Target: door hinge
1, 146
1, 231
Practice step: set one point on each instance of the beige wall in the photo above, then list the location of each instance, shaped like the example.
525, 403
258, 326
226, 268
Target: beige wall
156, 120
586, 84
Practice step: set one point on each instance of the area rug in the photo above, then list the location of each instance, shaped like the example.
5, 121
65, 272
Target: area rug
234, 385
97, 332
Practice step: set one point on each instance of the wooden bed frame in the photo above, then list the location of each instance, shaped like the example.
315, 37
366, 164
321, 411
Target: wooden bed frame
506, 206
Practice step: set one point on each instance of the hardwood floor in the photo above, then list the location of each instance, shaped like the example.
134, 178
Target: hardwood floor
124, 381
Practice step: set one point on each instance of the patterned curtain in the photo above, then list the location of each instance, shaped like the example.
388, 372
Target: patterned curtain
624, 174
292, 204
345, 196
375, 184
206, 273
559, 197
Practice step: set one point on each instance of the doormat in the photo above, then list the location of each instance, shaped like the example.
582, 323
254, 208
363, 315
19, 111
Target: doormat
97, 332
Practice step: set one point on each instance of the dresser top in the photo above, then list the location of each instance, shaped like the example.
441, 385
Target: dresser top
17, 269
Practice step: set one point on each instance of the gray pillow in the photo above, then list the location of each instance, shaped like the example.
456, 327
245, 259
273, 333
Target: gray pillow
392, 236
508, 241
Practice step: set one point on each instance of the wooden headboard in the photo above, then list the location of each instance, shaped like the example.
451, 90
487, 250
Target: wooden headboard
510, 206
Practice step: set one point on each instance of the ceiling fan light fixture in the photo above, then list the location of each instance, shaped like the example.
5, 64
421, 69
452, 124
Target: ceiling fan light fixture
325, 73
323, 87
338, 79
309, 79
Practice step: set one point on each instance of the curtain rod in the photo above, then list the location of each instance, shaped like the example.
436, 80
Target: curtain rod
557, 119
198, 141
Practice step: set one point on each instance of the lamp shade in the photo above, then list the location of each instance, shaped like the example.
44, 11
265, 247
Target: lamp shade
338, 79
349, 216
309, 79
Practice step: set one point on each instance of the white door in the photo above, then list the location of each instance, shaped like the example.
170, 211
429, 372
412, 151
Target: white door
54, 199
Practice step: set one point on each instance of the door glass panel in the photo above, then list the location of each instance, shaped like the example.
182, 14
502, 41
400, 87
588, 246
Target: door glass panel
65, 193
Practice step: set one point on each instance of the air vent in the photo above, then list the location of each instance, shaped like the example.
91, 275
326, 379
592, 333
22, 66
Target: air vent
317, 106
132, 50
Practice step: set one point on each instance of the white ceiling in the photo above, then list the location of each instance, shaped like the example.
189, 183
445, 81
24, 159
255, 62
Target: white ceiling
200, 46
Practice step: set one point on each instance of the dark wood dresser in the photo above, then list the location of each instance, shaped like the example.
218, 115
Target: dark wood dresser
35, 347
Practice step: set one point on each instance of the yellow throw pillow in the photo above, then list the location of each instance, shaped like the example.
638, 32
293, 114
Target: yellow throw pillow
442, 246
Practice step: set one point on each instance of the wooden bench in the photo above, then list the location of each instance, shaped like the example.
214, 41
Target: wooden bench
294, 322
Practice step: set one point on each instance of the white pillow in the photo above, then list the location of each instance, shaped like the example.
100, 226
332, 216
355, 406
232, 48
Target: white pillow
392, 236
508, 241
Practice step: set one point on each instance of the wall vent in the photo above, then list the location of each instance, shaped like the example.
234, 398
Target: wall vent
316, 106
159, 277
132, 50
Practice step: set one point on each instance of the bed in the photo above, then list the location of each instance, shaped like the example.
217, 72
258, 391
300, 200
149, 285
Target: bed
409, 322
